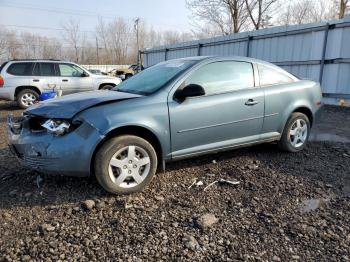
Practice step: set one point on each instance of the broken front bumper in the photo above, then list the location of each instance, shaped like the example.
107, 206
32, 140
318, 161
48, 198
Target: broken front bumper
69, 154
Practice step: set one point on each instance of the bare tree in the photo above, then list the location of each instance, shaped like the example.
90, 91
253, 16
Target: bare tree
343, 7
72, 35
260, 11
13, 46
102, 37
120, 32
3, 44
51, 48
29, 48
226, 16
305, 11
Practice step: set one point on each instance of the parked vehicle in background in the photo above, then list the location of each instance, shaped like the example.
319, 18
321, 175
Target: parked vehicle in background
126, 73
176, 109
96, 71
24, 80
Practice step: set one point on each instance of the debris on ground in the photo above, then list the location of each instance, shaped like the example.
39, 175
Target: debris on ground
39, 181
197, 183
222, 182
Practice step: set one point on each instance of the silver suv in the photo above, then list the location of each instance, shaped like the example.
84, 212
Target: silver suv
24, 80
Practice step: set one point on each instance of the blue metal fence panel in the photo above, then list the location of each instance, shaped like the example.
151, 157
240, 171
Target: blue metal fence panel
319, 51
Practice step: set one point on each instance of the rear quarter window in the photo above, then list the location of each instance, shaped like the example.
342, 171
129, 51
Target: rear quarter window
20, 69
269, 76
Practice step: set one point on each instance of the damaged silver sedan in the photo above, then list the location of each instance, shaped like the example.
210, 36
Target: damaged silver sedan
177, 109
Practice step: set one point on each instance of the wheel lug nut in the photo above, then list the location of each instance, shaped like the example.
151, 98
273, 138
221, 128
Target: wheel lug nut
130, 161
129, 172
135, 166
125, 167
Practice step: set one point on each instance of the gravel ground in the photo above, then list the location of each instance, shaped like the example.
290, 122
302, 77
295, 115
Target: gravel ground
286, 207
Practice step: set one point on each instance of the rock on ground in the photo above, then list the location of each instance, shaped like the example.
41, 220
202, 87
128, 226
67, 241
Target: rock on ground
207, 220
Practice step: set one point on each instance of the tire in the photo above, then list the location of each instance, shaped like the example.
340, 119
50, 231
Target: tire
106, 87
26, 98
297, 123
128, 76
123, 176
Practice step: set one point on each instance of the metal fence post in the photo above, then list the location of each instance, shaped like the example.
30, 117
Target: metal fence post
249, 38
166, 54
324, 49
199, 49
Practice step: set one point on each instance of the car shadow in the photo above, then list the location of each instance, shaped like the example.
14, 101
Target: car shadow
9, 106
21, 187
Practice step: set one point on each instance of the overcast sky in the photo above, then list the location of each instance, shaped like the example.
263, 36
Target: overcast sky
161, 14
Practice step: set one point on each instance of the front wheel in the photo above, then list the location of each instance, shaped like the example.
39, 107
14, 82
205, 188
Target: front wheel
125, 164
296, 133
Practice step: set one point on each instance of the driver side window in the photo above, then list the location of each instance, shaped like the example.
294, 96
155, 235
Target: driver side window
222, 77
70, 70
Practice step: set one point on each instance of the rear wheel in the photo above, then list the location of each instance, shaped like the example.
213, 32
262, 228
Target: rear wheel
125, 164
106, 87
26, 98
296, 133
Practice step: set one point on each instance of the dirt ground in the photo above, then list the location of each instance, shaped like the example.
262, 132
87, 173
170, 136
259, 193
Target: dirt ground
286, 207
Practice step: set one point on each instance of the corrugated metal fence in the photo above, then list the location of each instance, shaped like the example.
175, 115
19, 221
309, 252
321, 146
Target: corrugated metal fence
314, 51
105, 68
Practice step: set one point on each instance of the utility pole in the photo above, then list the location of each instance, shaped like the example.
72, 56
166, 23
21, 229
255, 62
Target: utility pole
137, 42
97, 56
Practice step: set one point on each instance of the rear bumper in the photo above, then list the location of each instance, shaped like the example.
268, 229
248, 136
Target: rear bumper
7, 93
70, 154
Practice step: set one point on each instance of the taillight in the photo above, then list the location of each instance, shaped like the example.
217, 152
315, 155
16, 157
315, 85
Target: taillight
2, 82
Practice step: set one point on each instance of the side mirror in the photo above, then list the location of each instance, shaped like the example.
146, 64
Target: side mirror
84, 74
191, 90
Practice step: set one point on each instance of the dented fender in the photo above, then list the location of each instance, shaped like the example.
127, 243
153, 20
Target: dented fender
55, 154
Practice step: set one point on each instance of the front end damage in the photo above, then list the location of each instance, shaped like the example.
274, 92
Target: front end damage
54, 146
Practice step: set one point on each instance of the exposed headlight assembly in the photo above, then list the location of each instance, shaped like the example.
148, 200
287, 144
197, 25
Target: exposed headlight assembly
57, 127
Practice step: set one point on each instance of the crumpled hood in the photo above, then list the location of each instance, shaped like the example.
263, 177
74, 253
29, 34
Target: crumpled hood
67, 107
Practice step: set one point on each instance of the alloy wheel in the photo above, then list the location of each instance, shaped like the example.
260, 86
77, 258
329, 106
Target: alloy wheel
129, 166
298, 133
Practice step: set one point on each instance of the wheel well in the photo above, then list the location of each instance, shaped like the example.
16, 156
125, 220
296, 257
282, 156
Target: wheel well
131, 130
306, 111
106, 84
20, 88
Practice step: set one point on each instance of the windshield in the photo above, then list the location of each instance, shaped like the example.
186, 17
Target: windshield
154, 78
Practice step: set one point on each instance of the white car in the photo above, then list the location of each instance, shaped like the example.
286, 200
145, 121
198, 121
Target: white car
24, 80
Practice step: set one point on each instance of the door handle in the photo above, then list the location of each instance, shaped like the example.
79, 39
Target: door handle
251, 102
36, 80
65, 80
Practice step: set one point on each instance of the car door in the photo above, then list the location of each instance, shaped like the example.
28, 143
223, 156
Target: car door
230, 113
73, 79
44, 76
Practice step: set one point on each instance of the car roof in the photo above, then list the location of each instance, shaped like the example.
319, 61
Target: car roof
232, 58
223, 58
37, 60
